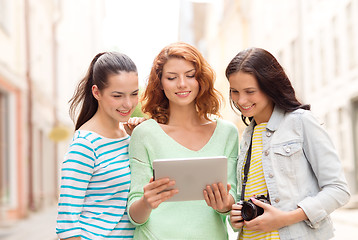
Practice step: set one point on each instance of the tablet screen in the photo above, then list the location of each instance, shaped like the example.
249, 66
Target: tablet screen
191, 175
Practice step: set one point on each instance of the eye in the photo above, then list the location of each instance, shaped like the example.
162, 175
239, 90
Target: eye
117, 96
234, 91
191, 76
135, 94
250, 92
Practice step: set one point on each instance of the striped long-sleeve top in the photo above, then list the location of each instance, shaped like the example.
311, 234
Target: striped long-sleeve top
94, 188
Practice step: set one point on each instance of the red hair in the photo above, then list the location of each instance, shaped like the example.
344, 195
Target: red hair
156, 104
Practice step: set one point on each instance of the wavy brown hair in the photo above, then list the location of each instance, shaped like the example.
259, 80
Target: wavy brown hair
156, 104
270, 76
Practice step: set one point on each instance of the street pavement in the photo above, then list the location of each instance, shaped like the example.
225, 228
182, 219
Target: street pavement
41, 226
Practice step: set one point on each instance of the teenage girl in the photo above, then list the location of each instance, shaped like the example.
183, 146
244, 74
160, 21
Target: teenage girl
181, 100
293, 162
95, 173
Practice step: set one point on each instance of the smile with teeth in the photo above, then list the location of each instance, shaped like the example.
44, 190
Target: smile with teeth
247, 108
124, 112
182, 93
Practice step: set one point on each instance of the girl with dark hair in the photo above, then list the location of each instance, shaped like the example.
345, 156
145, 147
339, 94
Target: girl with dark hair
181, 99
286, 157
95, 172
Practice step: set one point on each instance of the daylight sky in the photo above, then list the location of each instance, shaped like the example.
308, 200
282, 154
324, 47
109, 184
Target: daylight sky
140, 29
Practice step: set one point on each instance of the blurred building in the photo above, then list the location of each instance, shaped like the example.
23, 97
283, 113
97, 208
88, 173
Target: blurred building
46, 47
315, 41
219, 31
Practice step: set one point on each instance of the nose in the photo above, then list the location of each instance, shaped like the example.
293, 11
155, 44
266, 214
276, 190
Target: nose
241, 100
181, 82
127, 103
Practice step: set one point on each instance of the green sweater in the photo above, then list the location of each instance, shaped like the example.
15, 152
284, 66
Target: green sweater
186, 219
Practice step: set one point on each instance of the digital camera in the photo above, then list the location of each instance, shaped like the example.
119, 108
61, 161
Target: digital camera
249, 210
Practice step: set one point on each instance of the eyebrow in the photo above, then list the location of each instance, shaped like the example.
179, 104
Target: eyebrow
185, 72
135, 91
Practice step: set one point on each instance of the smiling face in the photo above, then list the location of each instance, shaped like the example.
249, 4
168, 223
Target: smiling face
179, 83
247, 95
118, 100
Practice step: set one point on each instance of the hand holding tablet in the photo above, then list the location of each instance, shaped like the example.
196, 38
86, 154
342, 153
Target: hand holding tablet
191, 175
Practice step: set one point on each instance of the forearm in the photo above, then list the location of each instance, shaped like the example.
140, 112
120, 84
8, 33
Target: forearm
139, 211
293, 217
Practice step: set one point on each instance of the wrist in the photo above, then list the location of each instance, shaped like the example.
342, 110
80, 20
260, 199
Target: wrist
144, 205
293, 217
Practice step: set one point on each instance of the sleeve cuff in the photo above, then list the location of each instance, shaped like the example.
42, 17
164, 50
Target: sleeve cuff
129, 216
313, 210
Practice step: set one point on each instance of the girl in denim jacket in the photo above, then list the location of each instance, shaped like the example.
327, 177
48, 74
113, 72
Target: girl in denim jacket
293, 163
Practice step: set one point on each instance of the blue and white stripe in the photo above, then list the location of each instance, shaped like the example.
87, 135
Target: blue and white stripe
94, 188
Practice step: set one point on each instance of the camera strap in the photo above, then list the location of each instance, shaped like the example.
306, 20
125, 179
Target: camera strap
247, 167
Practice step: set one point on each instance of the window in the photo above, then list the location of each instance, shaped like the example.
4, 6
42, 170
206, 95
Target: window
323, 58
336, 49
350, 36
311, 65
294, 61
4, 15
355, 139
4, 159
341, 135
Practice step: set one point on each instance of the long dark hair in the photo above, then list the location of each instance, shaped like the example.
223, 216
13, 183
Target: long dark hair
102, 65
270, 77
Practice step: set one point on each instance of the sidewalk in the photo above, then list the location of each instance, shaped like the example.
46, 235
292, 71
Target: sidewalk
41, 226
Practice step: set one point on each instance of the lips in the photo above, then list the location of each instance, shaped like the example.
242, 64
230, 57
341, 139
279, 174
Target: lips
247, 108
183, 94
124, 112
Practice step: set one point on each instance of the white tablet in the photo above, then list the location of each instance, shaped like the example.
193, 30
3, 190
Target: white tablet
191, 175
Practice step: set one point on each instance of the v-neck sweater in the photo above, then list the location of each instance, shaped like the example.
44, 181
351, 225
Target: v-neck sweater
185, 219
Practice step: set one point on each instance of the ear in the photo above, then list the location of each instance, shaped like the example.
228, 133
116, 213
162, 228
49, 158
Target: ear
95, 92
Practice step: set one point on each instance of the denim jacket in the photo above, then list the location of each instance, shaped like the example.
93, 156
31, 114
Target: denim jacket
301, 169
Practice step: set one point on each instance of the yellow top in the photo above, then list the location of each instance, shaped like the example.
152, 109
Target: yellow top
256, 184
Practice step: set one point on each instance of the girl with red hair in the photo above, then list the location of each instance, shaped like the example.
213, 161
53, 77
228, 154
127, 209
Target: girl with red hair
183, 105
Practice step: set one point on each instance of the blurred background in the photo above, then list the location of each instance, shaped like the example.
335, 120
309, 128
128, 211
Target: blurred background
46, 47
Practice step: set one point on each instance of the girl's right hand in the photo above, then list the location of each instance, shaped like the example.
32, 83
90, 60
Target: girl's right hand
235, 216
155, 192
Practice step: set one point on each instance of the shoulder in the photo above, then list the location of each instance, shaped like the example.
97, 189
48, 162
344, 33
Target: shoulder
303, 115
83, 143
225, 124
226, 127
147, 127
84, 137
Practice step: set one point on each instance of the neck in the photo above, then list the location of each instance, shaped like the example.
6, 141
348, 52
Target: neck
184, 116
105, 126
264, 116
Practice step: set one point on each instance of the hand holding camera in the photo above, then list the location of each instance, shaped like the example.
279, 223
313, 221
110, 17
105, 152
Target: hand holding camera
271, 219
246, 210
249, 210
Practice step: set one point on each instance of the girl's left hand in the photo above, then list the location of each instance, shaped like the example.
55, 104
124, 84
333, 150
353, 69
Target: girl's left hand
217, 197
132, 123
272, 218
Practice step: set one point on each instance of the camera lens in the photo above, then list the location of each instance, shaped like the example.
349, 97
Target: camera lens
250, 211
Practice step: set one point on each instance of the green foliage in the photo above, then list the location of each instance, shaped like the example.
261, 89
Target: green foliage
138, 112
